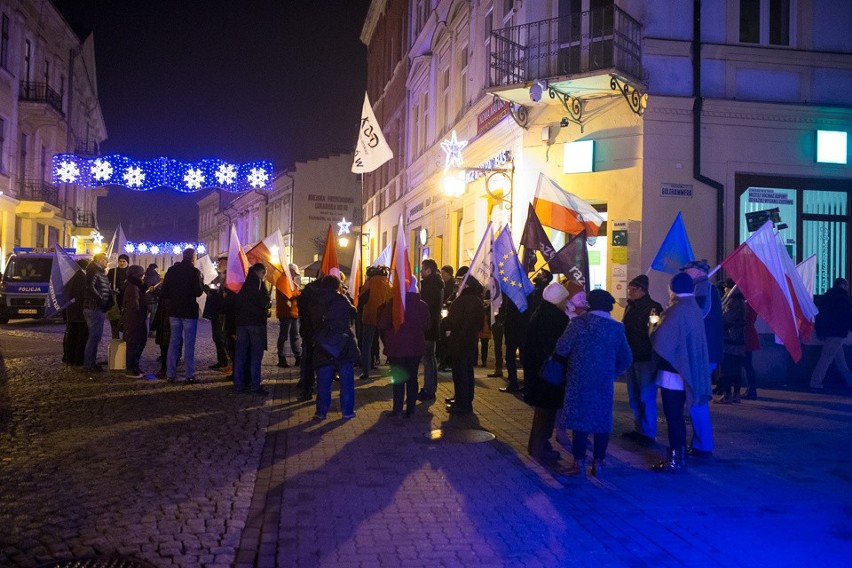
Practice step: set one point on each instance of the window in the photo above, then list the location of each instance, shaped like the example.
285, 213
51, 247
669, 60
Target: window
446, 107
507, 12
489, 26
28, 56
462, 66
4, 42
765, 22
2, 145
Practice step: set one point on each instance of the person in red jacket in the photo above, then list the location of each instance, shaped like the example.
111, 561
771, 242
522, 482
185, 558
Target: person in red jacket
404, 348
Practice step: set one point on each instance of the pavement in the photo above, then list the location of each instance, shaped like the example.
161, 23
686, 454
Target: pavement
197, 475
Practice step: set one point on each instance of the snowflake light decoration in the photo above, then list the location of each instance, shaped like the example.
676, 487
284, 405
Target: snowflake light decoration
168, 248
68, 172
193, 178
144, 175
101, 170
134, 176
226, 174
257, 177
453, 149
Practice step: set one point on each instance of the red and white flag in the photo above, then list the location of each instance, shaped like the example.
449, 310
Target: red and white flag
804, 308
237, 263
355, 275
758, 268
330, 266
563, 211
402, 279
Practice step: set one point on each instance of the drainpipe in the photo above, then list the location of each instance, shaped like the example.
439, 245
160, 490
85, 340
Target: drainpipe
696, 132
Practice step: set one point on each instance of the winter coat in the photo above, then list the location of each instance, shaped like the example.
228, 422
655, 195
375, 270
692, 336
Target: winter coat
410, 339
515, 326
331, 318
214, 307
76, 290
835, 314
118, 281
680, 339
464, 321
708, 299
98, 291
432, 292
252, 302
134, 312
547, 325
374, 293
734, 321
307, 299
182, 285
597, 352
636, 322
286, 308
152, 277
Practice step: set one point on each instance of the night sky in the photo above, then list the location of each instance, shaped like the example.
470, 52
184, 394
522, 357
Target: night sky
241, 80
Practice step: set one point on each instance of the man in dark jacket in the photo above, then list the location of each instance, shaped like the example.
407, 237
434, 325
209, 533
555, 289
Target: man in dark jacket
214, 310
432, 292
181, 287
515, 328
307, 375
448, 276
76, 332
710, 302
118, 280
335, 348
833, 324
251, 306
641, 376
95, 305
462, 324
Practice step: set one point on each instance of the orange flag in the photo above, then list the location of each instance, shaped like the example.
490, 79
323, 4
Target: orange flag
238, 264
402, 279
261, 253
330, 266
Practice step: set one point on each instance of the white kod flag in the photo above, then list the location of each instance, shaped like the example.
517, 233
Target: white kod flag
371, 150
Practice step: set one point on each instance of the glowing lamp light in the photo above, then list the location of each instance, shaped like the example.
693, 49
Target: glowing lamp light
343, 241
579, 157
454, 185
832, 147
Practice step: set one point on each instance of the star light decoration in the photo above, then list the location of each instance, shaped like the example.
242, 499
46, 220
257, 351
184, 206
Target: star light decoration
168, 248
143, 175
343, 227
453, 148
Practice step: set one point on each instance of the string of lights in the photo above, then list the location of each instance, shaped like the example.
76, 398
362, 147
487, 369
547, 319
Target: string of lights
143, 175
167, 248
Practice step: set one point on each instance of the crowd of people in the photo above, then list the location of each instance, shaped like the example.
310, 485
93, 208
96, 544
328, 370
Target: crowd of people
448, 324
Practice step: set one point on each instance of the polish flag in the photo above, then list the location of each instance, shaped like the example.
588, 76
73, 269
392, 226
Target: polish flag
402, 279
564, 211
330, 266
238, 264
758, 267
355, 275
804, 308
268, 252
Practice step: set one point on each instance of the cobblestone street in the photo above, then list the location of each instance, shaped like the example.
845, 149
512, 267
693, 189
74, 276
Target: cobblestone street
197, 475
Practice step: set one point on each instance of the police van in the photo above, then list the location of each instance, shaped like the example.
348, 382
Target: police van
24, 284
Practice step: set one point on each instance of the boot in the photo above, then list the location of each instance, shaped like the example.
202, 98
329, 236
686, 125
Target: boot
675, 463
597, 467
578, 468
282, 361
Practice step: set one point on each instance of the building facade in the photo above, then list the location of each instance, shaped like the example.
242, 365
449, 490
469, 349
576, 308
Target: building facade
48, 105
708, 107
303, 203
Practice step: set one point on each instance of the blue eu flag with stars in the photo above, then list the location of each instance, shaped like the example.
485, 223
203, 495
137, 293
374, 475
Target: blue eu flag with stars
514, 282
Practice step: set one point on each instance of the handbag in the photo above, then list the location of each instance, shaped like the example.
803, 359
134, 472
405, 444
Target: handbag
552, 371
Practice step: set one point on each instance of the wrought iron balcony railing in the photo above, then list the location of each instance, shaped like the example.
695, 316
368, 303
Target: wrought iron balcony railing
37, 190
605, 38
83, 218
88, 148
40, 93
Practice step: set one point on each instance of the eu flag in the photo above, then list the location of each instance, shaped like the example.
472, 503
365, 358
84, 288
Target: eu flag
675, 250
514, 282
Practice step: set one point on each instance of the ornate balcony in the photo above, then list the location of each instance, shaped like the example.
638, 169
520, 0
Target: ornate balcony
37, 190
40, 93
83, 218
575, 56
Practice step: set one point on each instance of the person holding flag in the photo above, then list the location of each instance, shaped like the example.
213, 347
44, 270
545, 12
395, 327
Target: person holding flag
375, 292
462, 325
287, 312
76, 332
95, 305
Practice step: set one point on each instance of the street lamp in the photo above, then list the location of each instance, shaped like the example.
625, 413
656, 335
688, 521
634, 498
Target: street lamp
499, 182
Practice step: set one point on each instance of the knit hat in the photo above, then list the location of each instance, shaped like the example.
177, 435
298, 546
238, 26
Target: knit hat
640, 281
124, 257
682, 284
600, 300
555, 293
699, 264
